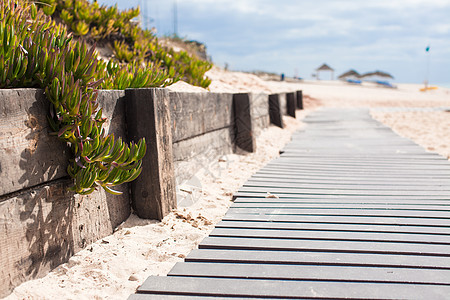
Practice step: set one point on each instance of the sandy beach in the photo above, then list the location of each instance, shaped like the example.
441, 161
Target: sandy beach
115, 266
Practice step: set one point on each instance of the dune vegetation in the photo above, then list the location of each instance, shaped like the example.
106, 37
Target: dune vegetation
51, 45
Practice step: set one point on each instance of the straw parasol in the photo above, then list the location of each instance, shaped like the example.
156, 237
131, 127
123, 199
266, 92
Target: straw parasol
324, 67
377, 74
351, 74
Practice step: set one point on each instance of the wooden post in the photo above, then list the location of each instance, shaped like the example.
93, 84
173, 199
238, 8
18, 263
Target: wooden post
290, 104
300, 99
244, 138
153, 193
275, 110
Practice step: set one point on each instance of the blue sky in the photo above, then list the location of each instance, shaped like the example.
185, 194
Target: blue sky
296, 36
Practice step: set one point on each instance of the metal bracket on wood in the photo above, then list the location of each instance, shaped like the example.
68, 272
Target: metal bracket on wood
153, 193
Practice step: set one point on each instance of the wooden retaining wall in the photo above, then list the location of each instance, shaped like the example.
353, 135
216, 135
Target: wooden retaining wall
42, 224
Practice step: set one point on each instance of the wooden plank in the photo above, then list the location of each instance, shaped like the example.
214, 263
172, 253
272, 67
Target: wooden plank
198, 286
42, 227
364, 206
325, 196
339, 181
153, 192
364, 174
289, 163
281, 190
259, 111
356, 144
350, 156
29, 155
244, 137
290, 104
193, 154
337, 146
150, 296
357, 170
283, 159
390, 213
340, 219
318, 258
275, 112
299, 98
190, 113
307, 272
365, 177
338, 201
324, 246
354, 187
341, 152
335, 227
299, 234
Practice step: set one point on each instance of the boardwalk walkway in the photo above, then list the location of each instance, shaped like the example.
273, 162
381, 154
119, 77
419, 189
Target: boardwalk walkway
354, 211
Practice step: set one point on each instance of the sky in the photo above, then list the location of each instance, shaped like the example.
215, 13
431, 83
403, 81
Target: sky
297, 36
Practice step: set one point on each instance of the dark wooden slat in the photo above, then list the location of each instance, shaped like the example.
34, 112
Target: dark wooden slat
341, 196
353, 144
329, 186
356, 170
331, 235
335, 227
351, 166
365, 206
340, 219
424, 156
281, 190
365, 178
150, 296
283, 160
289, 289
324, 246
319, 258
275, 173
330, 199
339, 152
346, 181
320, 273
393, 213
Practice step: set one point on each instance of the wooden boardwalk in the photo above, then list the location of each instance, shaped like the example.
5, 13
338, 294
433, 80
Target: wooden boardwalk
354, 212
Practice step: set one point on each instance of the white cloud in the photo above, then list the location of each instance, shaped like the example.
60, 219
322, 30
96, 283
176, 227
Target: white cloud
277, 35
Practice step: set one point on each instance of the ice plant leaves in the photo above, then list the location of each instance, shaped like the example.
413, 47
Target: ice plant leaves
37, 52
129, 43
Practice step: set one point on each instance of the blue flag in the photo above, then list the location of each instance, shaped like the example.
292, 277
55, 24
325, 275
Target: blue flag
427, 49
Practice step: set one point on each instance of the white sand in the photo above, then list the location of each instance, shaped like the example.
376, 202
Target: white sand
431, 130
115, 266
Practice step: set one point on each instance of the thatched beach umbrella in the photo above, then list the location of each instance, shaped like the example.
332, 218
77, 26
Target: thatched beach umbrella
377, 74
351, 74
324, 67
379, 78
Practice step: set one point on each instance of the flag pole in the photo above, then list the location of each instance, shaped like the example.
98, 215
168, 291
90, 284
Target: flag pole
427, 72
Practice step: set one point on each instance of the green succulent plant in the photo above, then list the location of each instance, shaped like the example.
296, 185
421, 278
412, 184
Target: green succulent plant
48, 6
80, 28
35, 51
128, 41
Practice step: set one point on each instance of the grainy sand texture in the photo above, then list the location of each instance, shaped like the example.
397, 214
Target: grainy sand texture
115, 266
